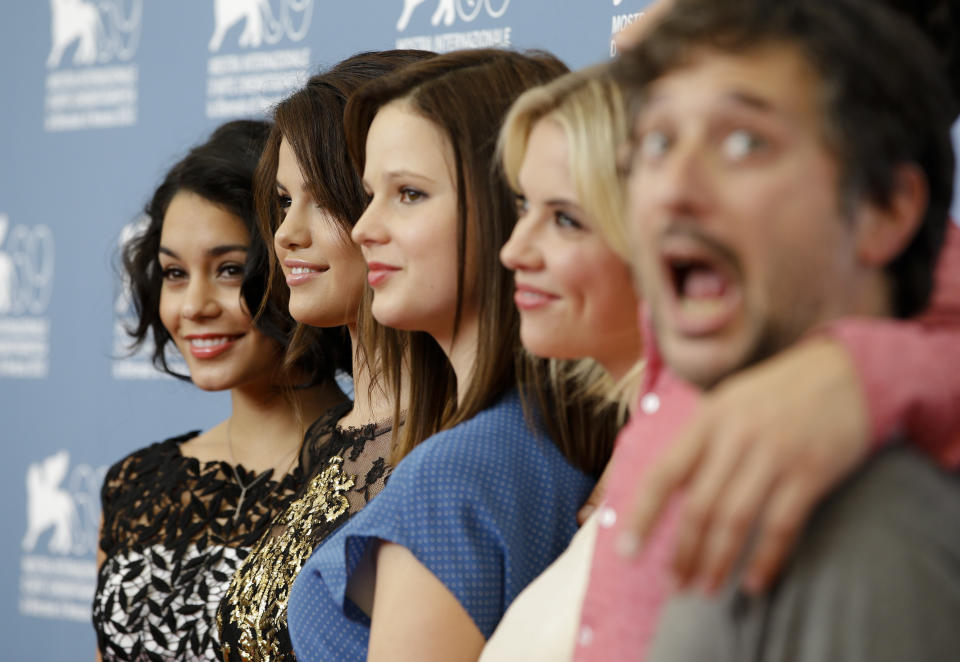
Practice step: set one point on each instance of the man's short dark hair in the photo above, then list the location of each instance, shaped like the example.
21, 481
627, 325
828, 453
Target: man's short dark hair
939, 20
884, 94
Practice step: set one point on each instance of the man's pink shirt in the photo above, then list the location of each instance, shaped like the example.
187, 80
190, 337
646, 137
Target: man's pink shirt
910, 372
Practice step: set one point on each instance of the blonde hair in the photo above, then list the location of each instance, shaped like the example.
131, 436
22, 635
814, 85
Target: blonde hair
589, 107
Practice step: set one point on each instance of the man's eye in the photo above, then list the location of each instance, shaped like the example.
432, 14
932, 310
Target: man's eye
740, 144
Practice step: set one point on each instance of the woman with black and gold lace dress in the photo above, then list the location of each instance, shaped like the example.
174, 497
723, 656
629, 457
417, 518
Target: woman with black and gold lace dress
349, 468
309, 196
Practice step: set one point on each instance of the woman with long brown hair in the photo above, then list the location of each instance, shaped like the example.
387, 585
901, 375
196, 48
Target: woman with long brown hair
309, 197
490, 482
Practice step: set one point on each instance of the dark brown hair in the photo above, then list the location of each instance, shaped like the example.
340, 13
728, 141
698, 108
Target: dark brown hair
884, 97
311, 121
466, 94
939, 20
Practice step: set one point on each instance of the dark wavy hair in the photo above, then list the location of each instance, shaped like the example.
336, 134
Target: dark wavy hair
220, 171
311, 121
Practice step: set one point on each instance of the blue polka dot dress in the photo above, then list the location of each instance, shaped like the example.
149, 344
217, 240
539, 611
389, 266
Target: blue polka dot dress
486, 506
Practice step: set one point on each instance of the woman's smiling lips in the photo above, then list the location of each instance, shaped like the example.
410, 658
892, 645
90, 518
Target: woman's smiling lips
528, 297
211, 345
299, 272
378, 272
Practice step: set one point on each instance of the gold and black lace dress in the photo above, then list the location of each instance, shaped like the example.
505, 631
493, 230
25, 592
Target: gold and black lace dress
173, 534
347, 468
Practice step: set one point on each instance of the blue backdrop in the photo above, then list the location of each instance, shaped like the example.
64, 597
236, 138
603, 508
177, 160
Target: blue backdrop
100, 97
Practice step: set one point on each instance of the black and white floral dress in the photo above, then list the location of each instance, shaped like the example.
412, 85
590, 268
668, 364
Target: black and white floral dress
173, 534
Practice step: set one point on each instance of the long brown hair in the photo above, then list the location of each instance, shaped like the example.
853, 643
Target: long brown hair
311, 121
466, 94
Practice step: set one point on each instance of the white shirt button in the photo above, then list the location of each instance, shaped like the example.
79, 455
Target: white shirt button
585, 637
607, 517
650, 403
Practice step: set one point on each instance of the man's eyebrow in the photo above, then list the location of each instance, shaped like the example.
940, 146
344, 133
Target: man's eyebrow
752, 101
738, 97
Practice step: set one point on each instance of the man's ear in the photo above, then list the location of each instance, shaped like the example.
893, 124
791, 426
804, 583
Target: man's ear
883, 233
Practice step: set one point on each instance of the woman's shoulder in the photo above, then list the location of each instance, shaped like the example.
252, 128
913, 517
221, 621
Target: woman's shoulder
156, 450
321, 435
504, 418
497, 426
137, 483
150, 458
500, 440
326, 424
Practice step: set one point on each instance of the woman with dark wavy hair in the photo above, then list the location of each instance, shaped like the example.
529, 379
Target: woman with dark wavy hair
179, 515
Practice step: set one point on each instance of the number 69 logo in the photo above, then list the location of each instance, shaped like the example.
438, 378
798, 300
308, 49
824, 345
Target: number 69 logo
26, 269
448, 10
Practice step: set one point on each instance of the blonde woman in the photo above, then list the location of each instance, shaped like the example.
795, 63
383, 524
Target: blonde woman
575, 297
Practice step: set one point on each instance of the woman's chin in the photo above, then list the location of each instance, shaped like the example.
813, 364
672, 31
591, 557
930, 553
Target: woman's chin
323, 318
390, 317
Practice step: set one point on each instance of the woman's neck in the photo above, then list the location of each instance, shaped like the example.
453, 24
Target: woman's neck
619, 362
369, 405
461, 350
267, 422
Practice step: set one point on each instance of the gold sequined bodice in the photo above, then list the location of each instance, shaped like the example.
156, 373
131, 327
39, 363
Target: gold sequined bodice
350, 467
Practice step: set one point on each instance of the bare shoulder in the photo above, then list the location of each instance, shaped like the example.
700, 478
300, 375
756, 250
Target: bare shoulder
208, 446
